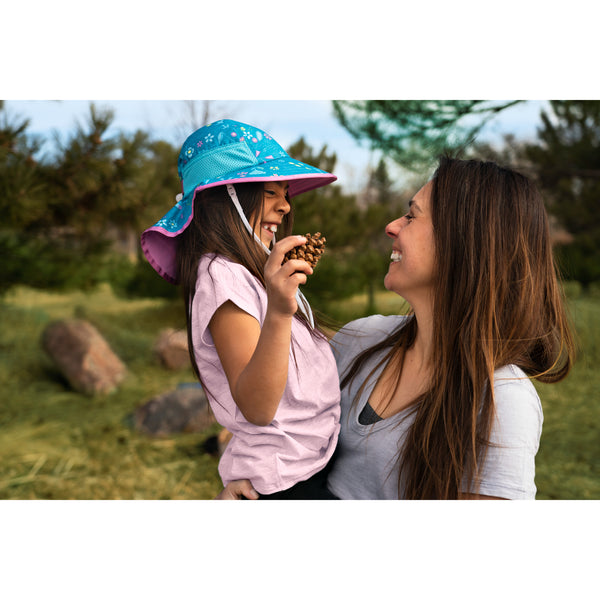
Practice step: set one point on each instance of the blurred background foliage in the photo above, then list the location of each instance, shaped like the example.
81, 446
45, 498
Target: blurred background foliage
93, 194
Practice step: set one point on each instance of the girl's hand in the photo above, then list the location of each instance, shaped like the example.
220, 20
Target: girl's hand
282, 281
238, 490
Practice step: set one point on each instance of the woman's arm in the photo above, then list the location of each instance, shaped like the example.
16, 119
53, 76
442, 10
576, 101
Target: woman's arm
256, 360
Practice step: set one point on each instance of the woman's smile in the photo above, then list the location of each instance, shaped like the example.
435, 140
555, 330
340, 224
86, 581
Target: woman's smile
396, 256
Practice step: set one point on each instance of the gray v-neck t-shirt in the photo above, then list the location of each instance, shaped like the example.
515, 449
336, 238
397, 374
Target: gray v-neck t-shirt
366, 464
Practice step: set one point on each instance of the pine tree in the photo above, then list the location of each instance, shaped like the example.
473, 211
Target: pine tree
414, 132
64, 212
22, 192
380, 206
566, 161
21, 184
336, 215
357, 252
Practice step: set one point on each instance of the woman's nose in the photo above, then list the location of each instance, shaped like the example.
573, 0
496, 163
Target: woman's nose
392, 229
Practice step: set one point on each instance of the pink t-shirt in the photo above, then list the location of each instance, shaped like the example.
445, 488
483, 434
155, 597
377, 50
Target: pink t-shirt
303, 435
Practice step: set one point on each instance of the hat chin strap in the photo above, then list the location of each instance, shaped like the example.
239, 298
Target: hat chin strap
238, 207
300, 299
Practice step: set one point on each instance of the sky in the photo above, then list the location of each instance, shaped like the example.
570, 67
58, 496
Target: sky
285, 120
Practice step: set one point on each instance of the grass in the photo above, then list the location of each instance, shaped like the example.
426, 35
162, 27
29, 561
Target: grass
568, 462
56, 443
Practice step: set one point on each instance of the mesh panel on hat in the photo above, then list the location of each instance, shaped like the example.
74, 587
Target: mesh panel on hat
212, 164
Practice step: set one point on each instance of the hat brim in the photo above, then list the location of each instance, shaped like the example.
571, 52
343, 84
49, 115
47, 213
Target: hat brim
159, 242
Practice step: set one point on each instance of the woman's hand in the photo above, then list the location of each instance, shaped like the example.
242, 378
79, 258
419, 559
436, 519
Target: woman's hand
238, 490
282, 281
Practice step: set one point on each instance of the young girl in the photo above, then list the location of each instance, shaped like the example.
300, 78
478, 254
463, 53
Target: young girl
267, 369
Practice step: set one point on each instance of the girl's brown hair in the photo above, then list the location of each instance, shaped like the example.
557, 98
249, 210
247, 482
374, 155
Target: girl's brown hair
217, 228
497, 301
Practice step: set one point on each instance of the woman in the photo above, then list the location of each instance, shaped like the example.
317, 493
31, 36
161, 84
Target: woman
439, 404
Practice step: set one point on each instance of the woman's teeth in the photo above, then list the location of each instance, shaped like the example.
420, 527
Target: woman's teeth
396, 256
272, 228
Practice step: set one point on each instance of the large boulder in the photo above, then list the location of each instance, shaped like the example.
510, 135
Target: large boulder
171, 348
183, 410
83, 356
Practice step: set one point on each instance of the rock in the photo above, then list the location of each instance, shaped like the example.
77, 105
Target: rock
171, 348
184, 410
83, 356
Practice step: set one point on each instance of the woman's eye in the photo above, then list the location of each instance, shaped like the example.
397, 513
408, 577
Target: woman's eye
408, 217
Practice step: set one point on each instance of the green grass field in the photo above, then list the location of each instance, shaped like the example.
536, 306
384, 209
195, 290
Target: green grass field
56, 443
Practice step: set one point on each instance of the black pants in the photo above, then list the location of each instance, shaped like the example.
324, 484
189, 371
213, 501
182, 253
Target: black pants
314, 488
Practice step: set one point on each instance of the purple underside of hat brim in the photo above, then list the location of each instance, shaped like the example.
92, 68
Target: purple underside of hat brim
160, 252
160, 248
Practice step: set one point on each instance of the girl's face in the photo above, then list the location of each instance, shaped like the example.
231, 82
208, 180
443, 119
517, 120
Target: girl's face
411, 269
275, 207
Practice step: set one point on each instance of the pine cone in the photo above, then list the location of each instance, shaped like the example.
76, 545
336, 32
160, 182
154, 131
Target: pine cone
311, 251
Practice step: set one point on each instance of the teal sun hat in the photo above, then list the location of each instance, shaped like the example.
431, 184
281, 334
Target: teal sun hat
223, 153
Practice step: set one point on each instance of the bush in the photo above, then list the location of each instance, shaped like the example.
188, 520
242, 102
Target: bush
572, 289
334, 278
580, 261
142, 281
45, 264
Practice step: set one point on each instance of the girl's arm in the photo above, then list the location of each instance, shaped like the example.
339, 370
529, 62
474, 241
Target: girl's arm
256, 360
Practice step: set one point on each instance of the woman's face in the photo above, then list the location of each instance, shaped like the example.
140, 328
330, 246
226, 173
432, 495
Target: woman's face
275, 207
411, 269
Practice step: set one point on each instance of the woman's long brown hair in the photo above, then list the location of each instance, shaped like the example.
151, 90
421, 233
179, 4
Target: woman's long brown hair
497, 301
